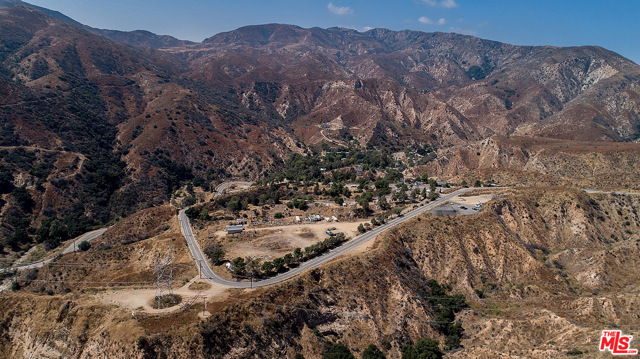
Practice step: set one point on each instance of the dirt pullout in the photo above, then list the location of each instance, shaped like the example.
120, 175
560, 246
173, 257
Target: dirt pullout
137, 300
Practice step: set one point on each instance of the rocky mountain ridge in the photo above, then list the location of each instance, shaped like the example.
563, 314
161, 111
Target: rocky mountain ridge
119, 127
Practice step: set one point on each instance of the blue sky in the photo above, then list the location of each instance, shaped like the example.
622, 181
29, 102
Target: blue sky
613, 24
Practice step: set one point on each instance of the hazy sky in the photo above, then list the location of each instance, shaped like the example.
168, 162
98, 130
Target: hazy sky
613, 24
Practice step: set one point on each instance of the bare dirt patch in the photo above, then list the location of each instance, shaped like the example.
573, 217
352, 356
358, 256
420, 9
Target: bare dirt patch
138, 300
199, 286
272, 242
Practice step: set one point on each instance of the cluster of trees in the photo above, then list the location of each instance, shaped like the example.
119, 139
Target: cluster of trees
6, 179
53, 231
215, 253
198, 213
445, 307
37, 163
375, 221
343, 157
18, 218
299, 203
257, 196
341, 351
242, 267
425, 348
173, 174
337, 189
310, 167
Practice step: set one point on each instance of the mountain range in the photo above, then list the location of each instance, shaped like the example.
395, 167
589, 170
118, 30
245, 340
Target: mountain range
98, 123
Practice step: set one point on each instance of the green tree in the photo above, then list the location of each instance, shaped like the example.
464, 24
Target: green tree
365, 205
238, 266
394, 175
337, 351
428, 349
267, 267
454, 334
425, 348
204, 214
215, 252
252, 267
384, 205
476, 72
401, 196
23, 199
51, 232
278, 264
381, 183
372, 352
6, 180
84, 246
424, 178
339, 201
288, 259
234, 204
432, 184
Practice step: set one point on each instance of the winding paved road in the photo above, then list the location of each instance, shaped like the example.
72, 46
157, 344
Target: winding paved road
89, 236
208, 273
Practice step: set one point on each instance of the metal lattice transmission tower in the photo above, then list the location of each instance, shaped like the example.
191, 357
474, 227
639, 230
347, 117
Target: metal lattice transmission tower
164, 276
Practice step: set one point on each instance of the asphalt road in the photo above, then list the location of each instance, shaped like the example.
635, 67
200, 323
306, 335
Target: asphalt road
89, 236
208, 273
606, 192
220, 190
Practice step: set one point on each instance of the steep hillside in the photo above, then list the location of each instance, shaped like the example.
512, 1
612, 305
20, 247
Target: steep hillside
93, 129
542, 271
584, 93
528, 161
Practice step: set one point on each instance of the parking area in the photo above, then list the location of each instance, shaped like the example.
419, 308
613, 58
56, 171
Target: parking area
462, 205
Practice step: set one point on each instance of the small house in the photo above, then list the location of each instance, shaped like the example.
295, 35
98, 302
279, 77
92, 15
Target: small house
235, 229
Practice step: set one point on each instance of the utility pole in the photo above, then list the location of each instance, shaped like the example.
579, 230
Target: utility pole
200, 266
204, 304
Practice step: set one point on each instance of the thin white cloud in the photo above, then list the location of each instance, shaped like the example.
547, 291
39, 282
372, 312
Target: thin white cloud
449, 4
367, 28
425, 20
339, 10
